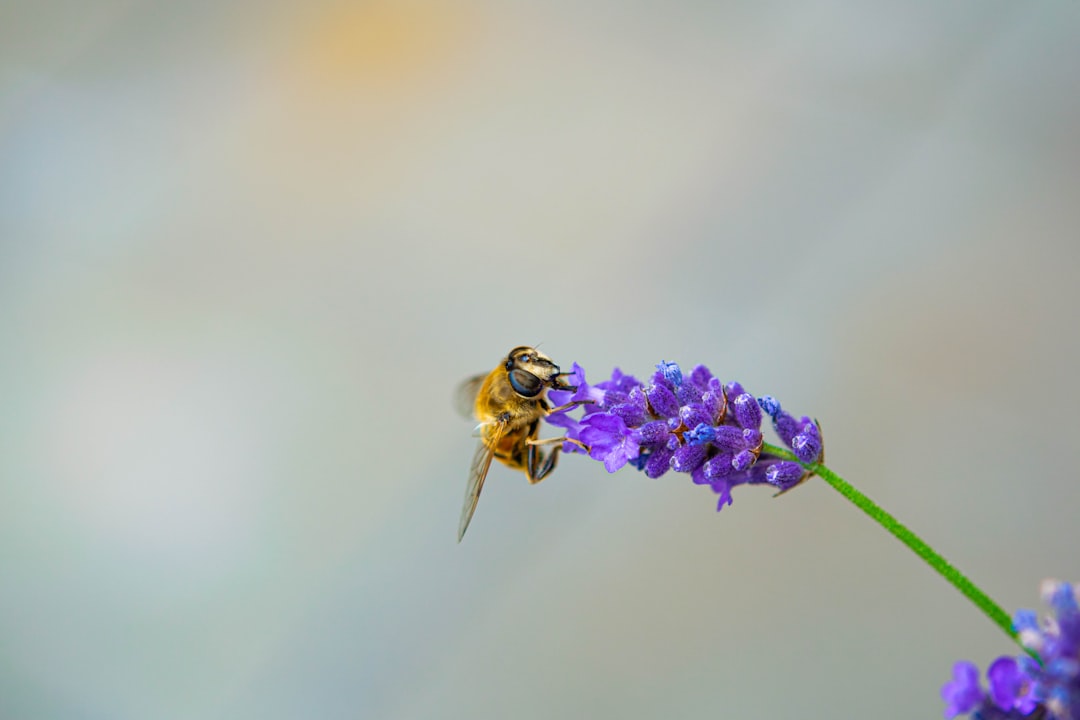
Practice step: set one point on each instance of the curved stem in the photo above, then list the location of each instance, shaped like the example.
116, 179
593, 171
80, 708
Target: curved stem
932, 558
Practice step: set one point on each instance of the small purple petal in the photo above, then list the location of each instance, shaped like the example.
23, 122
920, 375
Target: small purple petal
807, 447
630, 413
577, 379
688, 458
663, 401
770, 405
784, 474
1060, 596
560, 397
698, 477
688, 394
786, 427
636, 398
602, 432
729, 438
562, 420
694, 414
599, 445
659, 462
619, 382
743, 460
700, 377
606, 422
962, 694
714, 406
573, 431
614, 397
700, 435
719, 466
1005, 682
722, 487
752, 438
652, 433
671, 372
747, 411
1025, 620
616, 459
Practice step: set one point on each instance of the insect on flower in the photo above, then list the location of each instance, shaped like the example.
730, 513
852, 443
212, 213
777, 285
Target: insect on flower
509, 403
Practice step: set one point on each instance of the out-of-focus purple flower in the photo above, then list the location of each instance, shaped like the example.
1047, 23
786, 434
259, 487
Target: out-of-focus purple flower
963, 693
692, 424
1022, 687
1056, 684
1009, 688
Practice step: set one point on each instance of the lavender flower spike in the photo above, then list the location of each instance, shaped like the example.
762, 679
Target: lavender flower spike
691, 424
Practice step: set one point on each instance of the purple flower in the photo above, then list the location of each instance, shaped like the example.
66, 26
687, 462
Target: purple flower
691, 424
671, 372
619, 385
700, 377
1009, 688
963, 694
635, 411
593, 397
658, 462
1056, 684
688, 458
747, 411
583, 392
663, 401
701, 434
784, 474
803, 436
609, 440
1021, 686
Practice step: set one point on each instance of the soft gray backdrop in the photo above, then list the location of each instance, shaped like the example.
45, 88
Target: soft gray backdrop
247, 250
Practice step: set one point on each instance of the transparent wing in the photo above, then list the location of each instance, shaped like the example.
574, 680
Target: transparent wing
465, 395
485, 451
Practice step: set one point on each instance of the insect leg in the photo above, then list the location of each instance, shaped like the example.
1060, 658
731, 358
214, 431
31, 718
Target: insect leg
540, 464
567, 406
552, 441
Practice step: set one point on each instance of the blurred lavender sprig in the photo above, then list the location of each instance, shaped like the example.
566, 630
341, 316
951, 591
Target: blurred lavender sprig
1047, 687
693, 424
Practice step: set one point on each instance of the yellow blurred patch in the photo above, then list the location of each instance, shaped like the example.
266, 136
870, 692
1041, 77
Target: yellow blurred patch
382, 42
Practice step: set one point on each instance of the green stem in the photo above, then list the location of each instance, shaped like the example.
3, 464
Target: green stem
971, 591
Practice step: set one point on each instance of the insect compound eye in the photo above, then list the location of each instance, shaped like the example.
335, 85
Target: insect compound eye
525, 383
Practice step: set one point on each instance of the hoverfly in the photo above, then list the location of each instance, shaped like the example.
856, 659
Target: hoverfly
509, 403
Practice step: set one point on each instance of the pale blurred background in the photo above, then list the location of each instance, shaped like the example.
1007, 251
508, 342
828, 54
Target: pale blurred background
247, 250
